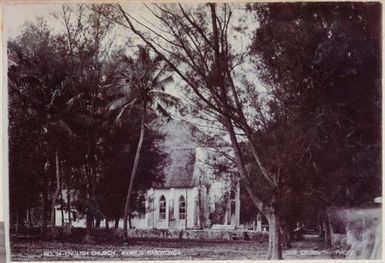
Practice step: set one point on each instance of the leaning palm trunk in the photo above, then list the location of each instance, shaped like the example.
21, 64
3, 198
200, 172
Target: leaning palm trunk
56, 194
133, 175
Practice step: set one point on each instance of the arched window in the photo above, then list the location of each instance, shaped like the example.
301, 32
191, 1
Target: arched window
182, 207
232, 202
162, 207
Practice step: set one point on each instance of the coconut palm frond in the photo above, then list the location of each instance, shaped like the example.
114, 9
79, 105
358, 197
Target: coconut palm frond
32, 85
118, 118
56, 94
108, 86
122, 88
158, 59
128, 60
33, 112
158, 75
81, 119
166, 80
144, 56
126, 88
165, 98
118, 103
31, 80
24, 96
61, 125
250, 167
70, 103
114, 91
161, 84
145, 80
162, 111
127, 108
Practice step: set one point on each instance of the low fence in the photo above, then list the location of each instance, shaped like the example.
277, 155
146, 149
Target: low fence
111, 235
203, 235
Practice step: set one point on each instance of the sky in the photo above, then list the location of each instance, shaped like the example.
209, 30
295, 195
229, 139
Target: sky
16, 15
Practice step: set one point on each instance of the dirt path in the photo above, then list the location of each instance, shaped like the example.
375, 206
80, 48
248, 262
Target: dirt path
311, 247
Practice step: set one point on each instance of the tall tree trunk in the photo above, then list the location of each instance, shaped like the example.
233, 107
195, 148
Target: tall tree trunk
67, 176
56, 194
62, 215
30, 224
88, 237
17, 225
328, 239
326, 227
201, 214
90, 174
117, 223
320, 229
274, 250
43, 230
69, 208
133, 174
62, 208
20, 227
240, 164
286, 235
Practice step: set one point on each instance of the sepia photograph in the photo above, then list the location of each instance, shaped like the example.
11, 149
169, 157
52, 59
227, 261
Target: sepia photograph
192, 131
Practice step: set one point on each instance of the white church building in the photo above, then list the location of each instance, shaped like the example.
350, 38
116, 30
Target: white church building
193, 195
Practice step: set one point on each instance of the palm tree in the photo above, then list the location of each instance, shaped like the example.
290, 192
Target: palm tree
36, 77
143, 89
54, 115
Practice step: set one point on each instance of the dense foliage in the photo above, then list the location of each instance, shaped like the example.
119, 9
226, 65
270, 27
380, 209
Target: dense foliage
63, 136
322, 63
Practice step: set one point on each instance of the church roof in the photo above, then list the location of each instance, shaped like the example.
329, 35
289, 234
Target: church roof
179, 143
182, 143
180, 171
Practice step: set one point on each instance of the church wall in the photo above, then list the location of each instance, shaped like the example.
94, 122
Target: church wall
172, 220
